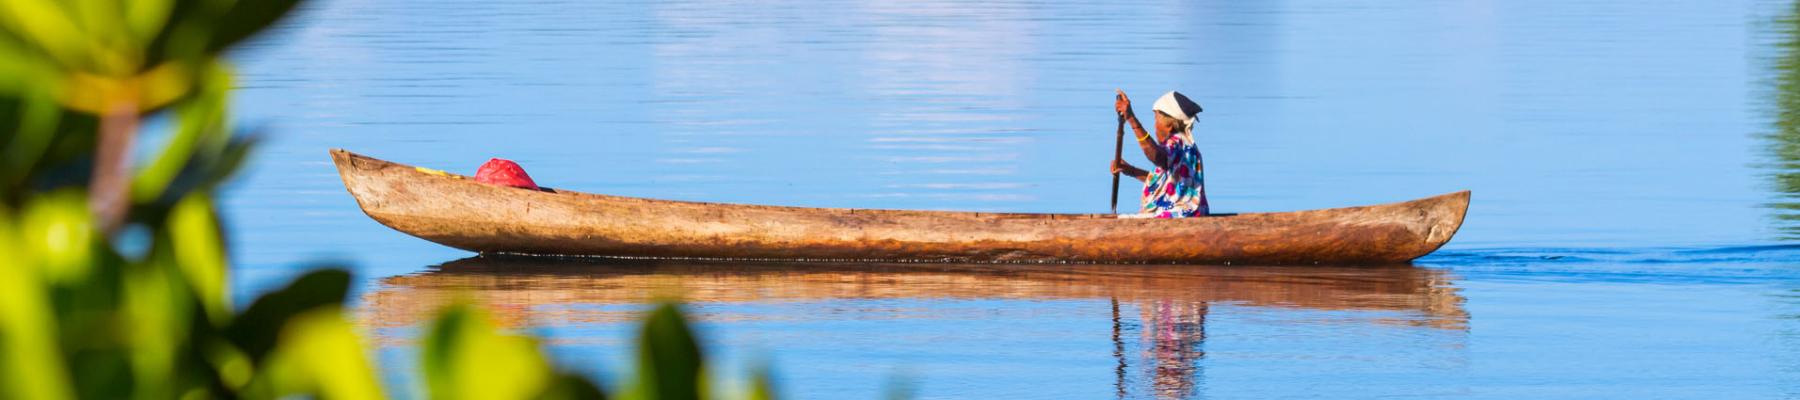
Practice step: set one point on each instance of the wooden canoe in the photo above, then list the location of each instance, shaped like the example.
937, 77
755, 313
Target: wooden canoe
456, 211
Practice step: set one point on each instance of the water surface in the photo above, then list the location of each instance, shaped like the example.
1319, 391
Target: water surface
1632, 167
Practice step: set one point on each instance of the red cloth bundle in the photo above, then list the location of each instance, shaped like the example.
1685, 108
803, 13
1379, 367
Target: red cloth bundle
504, 172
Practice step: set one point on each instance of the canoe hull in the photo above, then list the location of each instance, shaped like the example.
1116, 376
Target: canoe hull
458, 212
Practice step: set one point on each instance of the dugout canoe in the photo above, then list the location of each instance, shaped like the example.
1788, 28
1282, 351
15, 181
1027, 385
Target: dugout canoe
456, 211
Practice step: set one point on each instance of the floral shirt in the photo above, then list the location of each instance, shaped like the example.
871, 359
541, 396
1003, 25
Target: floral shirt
1179, 193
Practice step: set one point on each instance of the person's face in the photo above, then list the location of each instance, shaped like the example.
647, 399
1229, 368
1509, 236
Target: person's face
1164, 124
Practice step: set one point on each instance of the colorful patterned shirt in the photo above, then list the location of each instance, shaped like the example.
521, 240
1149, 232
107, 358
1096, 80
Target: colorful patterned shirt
1181, 192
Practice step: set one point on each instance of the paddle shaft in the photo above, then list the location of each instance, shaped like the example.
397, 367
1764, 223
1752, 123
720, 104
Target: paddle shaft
1118, 154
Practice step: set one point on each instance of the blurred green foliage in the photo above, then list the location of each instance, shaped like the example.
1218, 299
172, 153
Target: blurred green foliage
1784, 140
79, 318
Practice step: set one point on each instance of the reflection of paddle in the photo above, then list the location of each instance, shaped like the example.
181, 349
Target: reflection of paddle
1118, 154
1118, 352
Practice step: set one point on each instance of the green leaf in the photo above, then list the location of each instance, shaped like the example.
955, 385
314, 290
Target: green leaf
669, 360
145, 18
157, 312
36, 127
226, 163
246, 18
31, 367
206, 172
231, 364
47, 26
320, 354
62, 233
255, 329
465, 357
23, 71
572, 387
762, 386
186, 33
199, 248
199, 137
102, 22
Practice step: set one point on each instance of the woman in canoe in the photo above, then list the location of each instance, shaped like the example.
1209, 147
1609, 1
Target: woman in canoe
1176, 188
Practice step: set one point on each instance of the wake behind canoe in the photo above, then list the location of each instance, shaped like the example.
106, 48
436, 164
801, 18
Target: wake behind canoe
458, 212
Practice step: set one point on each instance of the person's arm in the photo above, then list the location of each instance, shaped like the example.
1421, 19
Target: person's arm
1124, 168
1145, 142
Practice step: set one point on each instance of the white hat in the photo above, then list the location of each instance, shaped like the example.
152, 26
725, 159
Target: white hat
1176, 105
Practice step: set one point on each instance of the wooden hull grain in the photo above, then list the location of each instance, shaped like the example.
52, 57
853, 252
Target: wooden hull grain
458, 212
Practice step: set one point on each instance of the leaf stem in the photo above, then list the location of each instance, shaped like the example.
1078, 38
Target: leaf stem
108, 186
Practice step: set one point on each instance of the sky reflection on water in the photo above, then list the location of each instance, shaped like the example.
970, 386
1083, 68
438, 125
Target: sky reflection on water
1631, 165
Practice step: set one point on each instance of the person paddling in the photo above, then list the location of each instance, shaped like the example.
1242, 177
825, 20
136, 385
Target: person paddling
1176, 188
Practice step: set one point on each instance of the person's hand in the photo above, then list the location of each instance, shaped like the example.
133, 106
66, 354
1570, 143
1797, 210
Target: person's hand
1122, 104
1118, 166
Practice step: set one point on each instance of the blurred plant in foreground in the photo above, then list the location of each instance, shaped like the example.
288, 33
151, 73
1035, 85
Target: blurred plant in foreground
113, 279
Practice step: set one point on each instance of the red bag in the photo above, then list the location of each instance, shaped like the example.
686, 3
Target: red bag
504, 172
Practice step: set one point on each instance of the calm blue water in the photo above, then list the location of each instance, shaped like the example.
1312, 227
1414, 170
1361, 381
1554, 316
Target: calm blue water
1636, 170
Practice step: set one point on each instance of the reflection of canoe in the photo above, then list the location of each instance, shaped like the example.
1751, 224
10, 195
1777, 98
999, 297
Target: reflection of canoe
563, 291
458, 212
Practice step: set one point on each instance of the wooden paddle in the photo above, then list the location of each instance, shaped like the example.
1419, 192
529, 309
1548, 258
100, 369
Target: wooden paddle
1118, 154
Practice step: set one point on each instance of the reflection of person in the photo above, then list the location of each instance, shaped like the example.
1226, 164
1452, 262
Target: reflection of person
1175, 330
1176, 188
